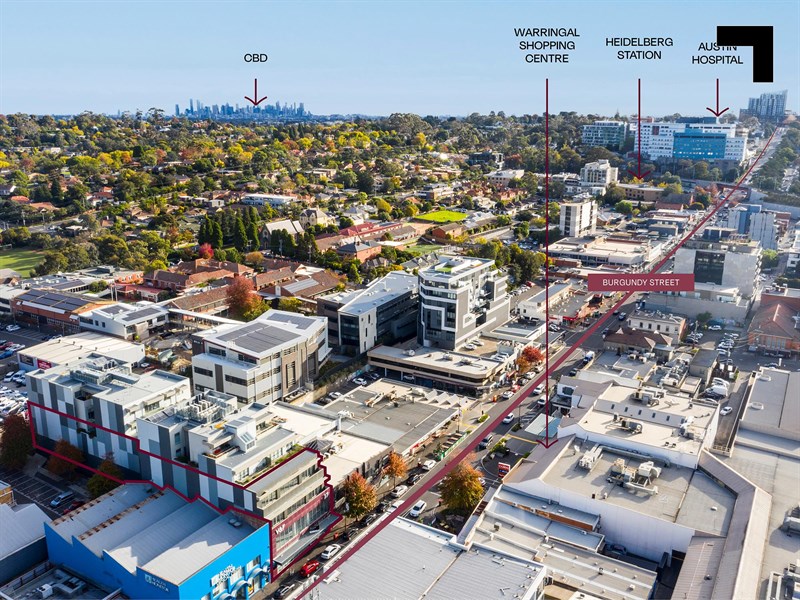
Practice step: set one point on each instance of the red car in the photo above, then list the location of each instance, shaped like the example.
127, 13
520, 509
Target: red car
73, 506
309, 568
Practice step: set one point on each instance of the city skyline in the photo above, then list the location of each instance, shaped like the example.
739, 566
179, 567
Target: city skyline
343, 59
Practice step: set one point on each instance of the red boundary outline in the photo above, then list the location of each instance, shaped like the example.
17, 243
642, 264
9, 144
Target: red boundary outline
490, 425
137, 445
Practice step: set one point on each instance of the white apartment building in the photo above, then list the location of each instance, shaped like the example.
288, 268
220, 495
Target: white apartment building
458, 298
578, 216
610, 134
503, 177
764, 229
265, 360
599, 173
104, 392
126, 321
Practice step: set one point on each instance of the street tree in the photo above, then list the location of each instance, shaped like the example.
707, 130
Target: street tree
15, 443
395, 468
63, 461
109, 476
461, 489
359, 495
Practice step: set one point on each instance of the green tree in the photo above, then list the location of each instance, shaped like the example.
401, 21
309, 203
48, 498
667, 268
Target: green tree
353, 275
704, 317
240, 235
360, 496
290, 304
108, 478
58, 463
461, 489
624, 207
15, 443
769, 259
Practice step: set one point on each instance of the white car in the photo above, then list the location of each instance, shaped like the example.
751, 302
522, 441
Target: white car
330, 551
508, 418
335, 394
726, 410
538, 389
359, 381
417, 509
508, 395
469, 347
428, 465
715, 328
13, 327
399, 491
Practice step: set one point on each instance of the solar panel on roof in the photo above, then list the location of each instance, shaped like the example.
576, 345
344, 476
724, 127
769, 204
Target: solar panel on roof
301, 322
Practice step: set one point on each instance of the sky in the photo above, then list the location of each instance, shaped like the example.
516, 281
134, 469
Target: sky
376, 57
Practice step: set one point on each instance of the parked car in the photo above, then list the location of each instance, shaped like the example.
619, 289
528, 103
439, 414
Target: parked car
360, 381
330, 552
75, 504
399, 491
414, 479
538, 389
13, 327
726, 410
508, 418
62, 498
715, 328
428, 465
335, 394
486, 441
417, 509
573, 372
311, 567
284, 591
368, 520
622, 316
507, 395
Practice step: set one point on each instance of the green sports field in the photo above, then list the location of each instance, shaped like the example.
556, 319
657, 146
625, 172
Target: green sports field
443, 216
20, 260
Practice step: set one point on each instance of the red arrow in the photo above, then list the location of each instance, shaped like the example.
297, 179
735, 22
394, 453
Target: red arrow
255, 94
639, 174
718, 112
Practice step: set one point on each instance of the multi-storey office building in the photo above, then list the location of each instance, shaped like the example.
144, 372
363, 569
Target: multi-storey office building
693, 139
729, 264
599, 173
265, 360
383, 312
458, 298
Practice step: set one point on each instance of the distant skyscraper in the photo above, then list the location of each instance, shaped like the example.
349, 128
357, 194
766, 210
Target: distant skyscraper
177, 111
769, 106
191, 106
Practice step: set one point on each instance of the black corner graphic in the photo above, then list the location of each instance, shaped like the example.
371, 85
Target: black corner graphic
760, 37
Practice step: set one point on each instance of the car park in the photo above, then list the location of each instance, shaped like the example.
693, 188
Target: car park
311, 567
399, 491
428, 465
417, 509
330, 552
508, 418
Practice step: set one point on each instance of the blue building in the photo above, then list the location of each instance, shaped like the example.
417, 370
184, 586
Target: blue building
156, 544
694, 144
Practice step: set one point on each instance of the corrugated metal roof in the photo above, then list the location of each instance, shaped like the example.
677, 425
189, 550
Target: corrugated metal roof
21, 526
